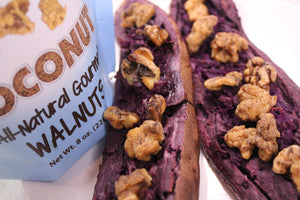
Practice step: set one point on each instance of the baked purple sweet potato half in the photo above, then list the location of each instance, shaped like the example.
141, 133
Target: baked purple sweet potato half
152, 64
244, 167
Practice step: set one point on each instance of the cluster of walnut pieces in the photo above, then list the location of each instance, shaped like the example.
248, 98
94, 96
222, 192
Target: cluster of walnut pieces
138, 15
138, 68
255, 105
141, 143
203, 24
255, 99
144, 141
225, 46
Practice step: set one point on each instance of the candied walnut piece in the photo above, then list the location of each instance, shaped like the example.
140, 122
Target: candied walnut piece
260, 73
248, 91
195, 9
139, 67
53, 13
144, 141
129, 187
266, 139
239, 137
250, 109
13, 19
156, 107
253, 102
202, 28
266, 126
137, 15
289, 158
225, 47
120, 118
230, 79
157, 35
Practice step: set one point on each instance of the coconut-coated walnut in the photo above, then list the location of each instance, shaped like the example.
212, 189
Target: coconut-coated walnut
202, 28
128, 187
120, 118
240, 137
139, 67
253, 102
266, 126
264, 137
195, 9
248, 91
225, 47
137, 14
144, 141
156, 107
156, 34
260, 73
230, 79
250, 109
289, 159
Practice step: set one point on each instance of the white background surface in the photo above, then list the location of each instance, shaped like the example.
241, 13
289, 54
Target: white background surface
272, 25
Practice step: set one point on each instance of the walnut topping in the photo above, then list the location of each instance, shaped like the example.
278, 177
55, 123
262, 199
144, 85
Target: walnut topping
202, 28
225, 47
157, 35
250, 109
129, 187
120, 118
13, 19
137, 14
264, 137
260, 73
289, 158
195, 9
230, 79
144, 141
253, 102
248, 91
238, 137
139, 67
266, 126
156, 107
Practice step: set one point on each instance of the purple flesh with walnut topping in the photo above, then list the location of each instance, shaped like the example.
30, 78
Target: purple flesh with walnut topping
247, 179
165, 167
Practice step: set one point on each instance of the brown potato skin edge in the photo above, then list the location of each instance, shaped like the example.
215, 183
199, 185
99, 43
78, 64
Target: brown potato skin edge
187, 183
